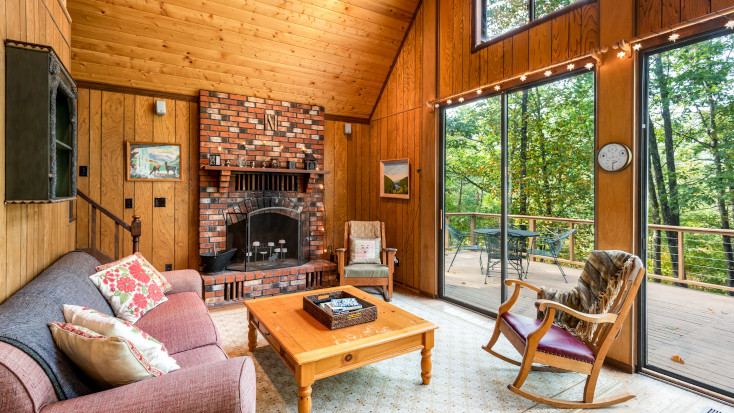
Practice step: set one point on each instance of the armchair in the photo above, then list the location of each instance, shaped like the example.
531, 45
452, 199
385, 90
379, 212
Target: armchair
367, 274
588, 319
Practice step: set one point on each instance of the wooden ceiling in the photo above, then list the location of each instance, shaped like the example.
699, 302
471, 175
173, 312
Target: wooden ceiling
333, 53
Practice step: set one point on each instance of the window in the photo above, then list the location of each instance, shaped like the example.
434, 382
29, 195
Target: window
505, 17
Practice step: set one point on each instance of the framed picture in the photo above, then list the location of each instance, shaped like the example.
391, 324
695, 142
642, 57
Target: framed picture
148, 161
395, 181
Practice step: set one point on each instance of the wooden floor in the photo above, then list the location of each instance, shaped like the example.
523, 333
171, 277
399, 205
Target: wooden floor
695, 325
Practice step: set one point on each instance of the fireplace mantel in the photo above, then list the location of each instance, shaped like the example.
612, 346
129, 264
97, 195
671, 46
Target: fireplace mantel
263, 170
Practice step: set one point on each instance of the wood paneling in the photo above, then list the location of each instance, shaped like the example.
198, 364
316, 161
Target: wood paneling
335, 54
659, 14
107, 120
32, 237
460, 70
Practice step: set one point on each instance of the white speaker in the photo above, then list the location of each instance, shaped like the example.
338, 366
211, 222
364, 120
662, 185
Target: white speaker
160, 107
347, 128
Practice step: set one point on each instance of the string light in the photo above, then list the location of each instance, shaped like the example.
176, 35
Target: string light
448, 102
497, 87
730, 24
522, 78
589, 66
621, 54
673, 37
479, 91
461, 99
570, 66
437, 105
548, 73
637, 46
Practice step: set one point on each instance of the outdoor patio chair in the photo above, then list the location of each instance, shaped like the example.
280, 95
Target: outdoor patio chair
551, 247
515, 246
456, 240
574, 328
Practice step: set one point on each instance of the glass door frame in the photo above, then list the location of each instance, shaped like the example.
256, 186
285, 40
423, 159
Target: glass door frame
504, 139
643, 163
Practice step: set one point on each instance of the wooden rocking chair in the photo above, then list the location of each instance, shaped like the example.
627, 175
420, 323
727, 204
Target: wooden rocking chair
583, 339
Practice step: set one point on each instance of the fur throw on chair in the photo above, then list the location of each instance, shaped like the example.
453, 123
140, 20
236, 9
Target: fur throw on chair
597, 291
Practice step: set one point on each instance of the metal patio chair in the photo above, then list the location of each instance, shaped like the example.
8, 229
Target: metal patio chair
551, 246
457, 238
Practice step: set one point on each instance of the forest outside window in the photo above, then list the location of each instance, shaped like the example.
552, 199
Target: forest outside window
499, 19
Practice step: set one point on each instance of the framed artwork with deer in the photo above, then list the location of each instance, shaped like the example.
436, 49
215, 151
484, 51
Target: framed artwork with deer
148, 161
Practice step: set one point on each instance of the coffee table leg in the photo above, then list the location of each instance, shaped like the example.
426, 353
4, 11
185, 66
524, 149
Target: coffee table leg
251, 334
426, 357
304, 379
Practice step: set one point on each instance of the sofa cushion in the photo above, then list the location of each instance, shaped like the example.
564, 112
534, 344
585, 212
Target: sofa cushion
147, 266
200, 355
130, 289
25, 315
181, 323
109, 361
106, 325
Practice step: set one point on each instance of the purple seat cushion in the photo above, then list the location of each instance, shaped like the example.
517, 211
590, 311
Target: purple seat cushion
556, 341
181, 323
201, 355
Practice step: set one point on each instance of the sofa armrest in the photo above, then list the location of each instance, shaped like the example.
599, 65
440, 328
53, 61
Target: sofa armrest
223, 386
184, 280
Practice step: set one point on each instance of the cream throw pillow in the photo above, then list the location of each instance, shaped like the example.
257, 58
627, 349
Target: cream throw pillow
109, 361
156, 276
109, 326
364, 250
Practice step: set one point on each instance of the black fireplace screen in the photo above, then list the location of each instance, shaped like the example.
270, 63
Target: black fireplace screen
268, 233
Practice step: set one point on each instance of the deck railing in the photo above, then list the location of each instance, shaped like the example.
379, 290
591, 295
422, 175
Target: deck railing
697, 259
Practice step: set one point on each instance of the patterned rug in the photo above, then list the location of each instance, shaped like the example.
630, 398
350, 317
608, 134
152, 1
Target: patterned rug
465, 377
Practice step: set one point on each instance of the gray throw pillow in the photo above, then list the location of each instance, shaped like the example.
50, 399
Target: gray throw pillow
364, 250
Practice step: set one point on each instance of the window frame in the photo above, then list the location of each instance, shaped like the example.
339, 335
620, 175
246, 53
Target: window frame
478, 16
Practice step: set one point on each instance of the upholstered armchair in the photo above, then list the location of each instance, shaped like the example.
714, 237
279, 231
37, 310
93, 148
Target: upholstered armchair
364, 260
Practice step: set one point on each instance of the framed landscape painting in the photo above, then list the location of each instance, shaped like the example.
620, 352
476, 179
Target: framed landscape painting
148, 161
395, 178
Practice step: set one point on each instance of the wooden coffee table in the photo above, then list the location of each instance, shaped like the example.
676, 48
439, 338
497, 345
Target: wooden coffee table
312, 351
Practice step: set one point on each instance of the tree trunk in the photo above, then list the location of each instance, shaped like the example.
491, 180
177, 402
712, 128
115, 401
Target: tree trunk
461, 190
669, 199
655, 215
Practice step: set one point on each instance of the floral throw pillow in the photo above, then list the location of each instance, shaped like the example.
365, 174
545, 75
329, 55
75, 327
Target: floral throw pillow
364, 250
100, 323
147, 266
129, 290
109, 361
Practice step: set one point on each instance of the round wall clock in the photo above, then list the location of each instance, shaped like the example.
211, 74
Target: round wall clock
614, 157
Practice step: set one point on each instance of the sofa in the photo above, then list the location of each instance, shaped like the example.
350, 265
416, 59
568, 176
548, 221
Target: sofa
208, 380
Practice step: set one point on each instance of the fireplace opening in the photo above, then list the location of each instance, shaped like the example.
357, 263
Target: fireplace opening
268, 233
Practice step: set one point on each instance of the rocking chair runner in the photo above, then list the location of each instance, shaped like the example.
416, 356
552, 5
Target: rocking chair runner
586, 332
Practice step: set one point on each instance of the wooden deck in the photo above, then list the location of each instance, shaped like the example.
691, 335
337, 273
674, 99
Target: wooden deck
695, 325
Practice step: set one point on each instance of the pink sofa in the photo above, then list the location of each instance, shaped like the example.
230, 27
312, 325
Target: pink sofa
207, 382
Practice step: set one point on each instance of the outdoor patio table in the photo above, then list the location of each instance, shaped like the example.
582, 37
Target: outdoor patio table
517, 239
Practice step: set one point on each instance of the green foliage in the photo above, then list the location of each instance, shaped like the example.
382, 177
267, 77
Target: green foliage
698, 80
551, 156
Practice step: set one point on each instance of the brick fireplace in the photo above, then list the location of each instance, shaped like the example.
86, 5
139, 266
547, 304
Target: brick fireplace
241, 130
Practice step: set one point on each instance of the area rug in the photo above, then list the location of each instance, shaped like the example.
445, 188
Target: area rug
465, 377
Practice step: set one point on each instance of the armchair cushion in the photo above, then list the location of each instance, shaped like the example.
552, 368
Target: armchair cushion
366, 270
556, 341
364, 250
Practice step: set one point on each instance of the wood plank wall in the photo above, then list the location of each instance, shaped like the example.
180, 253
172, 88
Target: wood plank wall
107, 120
568, 35
653, 15
31, 236
400, 127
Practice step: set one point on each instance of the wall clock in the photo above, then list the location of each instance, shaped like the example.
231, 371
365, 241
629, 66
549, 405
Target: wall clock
614, 157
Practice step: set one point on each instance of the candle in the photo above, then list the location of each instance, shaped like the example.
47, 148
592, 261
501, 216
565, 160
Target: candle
256, 244
284, 250
249, 254
271, 244
281, 241
277, 250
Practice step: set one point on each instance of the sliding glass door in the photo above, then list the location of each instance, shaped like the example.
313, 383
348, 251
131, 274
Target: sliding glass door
548, 134
688, 146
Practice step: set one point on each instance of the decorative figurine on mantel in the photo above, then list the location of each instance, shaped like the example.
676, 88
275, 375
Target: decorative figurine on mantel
311, 163
274, 163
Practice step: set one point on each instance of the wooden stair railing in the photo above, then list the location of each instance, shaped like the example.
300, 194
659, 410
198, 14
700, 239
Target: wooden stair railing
134, 228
